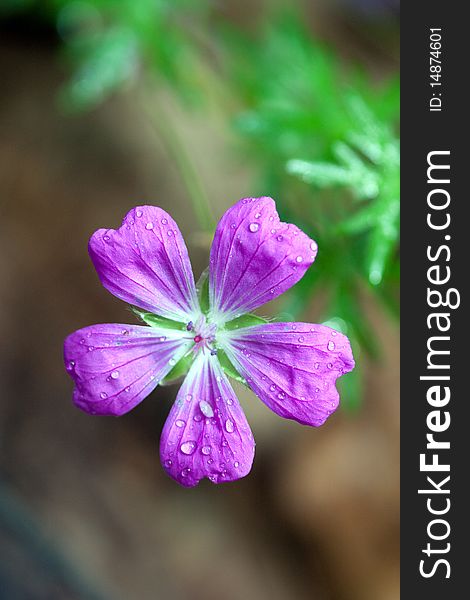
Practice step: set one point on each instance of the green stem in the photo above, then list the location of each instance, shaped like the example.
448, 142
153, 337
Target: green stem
177, 151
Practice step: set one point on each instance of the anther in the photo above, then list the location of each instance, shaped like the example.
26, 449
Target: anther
190, 326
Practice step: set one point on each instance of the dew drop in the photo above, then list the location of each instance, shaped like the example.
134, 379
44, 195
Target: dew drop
197, 417
138, 213
258, 215
124, 332
206, 450
281, 396
316, 365
91, 348
280, 238
127, 389
299, 259
229, 426
301, 339
331, 345
210, 461
253, 227
70, 365
164, 221
206, 409
189, 397
185, 472
168, 463
188, 447
229, 401
170, 232
329, 365
180, 423
106, 238
115, 375
103, 395
333, 333
236, 464
273, 388
162, 338
172, 362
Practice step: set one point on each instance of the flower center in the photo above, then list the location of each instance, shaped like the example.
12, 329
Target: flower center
204, 335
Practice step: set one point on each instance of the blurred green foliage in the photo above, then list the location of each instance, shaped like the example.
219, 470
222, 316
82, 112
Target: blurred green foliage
319, 134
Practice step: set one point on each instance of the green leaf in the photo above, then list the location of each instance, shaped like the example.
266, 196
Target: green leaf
202, 288
157, 321
179, 370
247, 320
228, 367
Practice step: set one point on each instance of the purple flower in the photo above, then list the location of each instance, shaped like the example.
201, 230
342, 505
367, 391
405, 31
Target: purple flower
291, 367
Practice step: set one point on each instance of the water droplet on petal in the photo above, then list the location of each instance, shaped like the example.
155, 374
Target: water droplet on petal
103, 395
329, 365
106, 238
316, 365
280, 238
164, 221
236, 464
281, 396
172, 362
331, 345
138, 213
206, 409
70, 365
127, 389
229, 426
188, 447
189, 397
170, 232
299, 259
90, 348
273, 388
185, 472
168, 463
258, 215
197, 417
301, 339
149, 226
253, 227
206, 450
115, 375
333, 333
180, 423
162, 338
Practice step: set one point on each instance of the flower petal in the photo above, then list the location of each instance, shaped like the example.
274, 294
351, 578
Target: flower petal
254, 258
145, 263
116, 366
206, 433
292, 367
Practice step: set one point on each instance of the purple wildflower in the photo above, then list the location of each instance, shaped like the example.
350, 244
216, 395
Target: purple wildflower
291, 367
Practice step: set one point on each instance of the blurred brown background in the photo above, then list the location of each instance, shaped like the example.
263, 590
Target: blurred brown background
86, 511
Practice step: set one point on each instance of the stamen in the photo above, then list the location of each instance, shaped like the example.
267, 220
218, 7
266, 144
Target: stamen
213, 351
190, 326
197, 339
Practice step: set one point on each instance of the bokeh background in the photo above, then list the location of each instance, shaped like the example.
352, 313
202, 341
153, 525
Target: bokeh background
191, 105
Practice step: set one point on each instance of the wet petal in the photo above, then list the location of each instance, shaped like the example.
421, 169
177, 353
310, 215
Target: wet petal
114, 367
206, 433
145, 263
292, 367
254, 258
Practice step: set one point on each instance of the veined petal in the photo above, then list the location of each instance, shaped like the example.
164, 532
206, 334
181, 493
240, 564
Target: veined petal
114, 367
254, 258
145, 263
292, 367
206, 433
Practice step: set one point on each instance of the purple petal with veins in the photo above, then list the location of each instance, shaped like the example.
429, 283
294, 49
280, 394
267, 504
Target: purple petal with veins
206, 433
254, 258
292, 367
145, 263
114, 367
